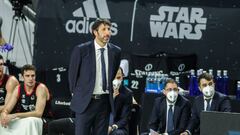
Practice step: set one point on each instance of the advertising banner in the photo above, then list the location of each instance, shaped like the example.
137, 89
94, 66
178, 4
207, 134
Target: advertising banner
140, 27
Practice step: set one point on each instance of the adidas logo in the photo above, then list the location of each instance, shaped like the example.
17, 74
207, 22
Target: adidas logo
86, 15
90, 10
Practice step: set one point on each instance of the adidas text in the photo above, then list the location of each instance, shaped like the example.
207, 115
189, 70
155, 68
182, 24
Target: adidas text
84, 26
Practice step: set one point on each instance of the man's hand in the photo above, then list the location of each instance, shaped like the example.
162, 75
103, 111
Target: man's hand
3, 118
109, 129
115, 92
112, 128
184, 133
6, 118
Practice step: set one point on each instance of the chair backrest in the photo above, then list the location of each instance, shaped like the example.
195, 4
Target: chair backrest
219, 123
57, 81
61, 108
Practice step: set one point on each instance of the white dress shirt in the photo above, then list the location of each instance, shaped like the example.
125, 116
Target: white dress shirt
205, 103
98, 83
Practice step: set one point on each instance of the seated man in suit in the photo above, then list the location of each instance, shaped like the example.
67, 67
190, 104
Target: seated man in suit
171, 111
209, 101
122, 103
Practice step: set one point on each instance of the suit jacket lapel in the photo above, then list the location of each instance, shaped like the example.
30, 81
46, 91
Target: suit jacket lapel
201, 104
164, 113
93, 59
110, 63
110, 74
213, 104
176, 113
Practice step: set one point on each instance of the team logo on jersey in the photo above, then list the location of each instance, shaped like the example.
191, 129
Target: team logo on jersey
23, 101
29, 107
32, 107
33, 97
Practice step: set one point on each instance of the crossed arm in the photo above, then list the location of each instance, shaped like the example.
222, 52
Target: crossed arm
11, 84
42, 97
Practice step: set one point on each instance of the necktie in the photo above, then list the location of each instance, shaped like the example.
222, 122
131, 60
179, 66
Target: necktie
208, 105
170, 125
104, 79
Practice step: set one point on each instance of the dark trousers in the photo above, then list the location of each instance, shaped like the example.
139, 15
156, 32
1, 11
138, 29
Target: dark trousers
94, 120
63, 126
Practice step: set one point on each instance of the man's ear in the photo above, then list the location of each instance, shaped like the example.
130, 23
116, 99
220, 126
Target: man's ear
199, 88
95, 32
164, 92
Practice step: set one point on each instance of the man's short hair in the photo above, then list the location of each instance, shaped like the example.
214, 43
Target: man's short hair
28, 67
1, 57
170, 80
98, 22
206, 76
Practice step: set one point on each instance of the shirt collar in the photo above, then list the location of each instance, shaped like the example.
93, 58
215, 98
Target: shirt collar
209, 98
97, 46
168, 103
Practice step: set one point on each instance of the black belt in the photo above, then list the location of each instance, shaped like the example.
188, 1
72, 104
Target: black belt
100, 96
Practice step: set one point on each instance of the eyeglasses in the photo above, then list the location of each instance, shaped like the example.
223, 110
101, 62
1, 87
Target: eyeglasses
207, 84
172, 89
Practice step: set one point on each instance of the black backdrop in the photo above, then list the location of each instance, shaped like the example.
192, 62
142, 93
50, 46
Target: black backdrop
153, 29
217, 47
209, 30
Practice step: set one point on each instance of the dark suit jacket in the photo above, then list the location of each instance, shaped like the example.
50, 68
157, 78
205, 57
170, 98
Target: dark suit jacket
82, 73
219, 103
122, 104
181, 115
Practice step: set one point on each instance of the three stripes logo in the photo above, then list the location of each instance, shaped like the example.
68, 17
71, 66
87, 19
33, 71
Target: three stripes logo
87, 14
91, 11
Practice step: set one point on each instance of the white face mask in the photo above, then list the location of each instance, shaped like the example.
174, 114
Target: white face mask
208, 91
172, 96
116, 84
